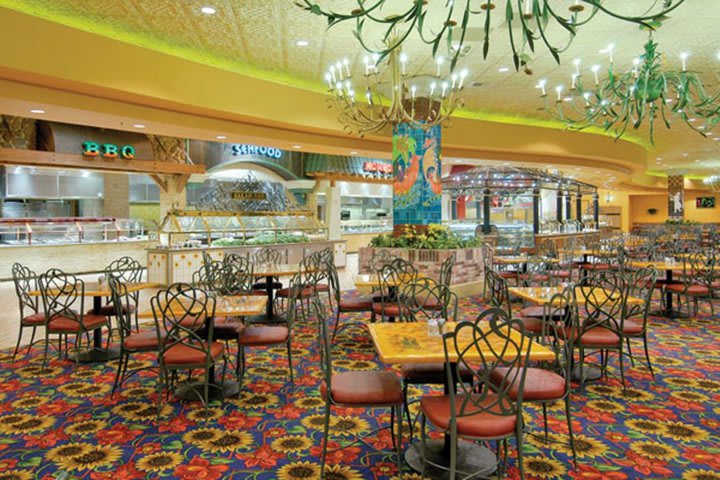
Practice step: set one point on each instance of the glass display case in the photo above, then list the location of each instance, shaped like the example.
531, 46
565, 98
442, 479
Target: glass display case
515, 236
198, 228
465, 228
69, 230
367, 226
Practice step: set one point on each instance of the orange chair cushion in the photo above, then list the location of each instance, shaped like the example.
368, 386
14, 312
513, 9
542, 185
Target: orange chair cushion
431, 373
691, 290
481, 425
534, 325
141, 341
560, 273
356, 304
540, 384
180, 354
507, 274
322, 287
535, 311
68, 325
632, 328
595, 266
387, 310
598, 336
34, 319
365, 388
263, 335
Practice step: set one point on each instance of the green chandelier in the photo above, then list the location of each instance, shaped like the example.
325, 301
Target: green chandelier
445, 23
642, 94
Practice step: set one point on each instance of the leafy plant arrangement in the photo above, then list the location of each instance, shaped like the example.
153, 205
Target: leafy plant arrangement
680, 221
437, 237
262, 239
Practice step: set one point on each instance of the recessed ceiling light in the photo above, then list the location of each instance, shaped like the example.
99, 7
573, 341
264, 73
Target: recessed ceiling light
139, 125
297, 146
208, 10
685, 154
353, 152
221, 137
503, 69
692, 119
37, 110
302, 43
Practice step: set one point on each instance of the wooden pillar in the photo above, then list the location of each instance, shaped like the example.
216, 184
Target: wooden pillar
173, 195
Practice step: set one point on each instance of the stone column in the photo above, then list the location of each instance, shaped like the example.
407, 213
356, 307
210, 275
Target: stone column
116, 195
596, 209
332, 210
676, 196
417, 187
568, 206
559, 206
487, 197
174, 195
578, 207
536, 211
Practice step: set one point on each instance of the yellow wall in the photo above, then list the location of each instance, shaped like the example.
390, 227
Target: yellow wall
641, 203
617, 199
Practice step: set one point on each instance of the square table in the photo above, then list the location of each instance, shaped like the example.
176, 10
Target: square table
399, 343
540, 295
99, 291
669, 267
271, 271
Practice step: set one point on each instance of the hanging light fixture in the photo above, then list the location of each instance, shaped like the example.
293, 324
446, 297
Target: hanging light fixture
712, 182
642, 94
447, 23
384, 94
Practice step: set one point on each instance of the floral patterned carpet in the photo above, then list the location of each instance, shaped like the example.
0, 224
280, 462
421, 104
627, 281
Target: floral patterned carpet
62, 423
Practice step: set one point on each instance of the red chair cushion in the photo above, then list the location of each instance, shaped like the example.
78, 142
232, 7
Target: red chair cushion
632, 328
560, 273
141, 341
691, 290
595, 266
431, 373
507, 275
540, 384
180, 354
365, 388
69, 325
321, 287
34, 319
533, 324
481, 425
356, 304
263, 335
304, 293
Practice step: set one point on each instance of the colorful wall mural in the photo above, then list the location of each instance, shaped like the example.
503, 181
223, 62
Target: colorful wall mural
417, 189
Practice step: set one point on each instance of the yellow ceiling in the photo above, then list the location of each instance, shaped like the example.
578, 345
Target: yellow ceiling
258, 38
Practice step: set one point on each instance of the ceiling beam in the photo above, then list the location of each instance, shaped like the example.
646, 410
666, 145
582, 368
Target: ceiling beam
35, 158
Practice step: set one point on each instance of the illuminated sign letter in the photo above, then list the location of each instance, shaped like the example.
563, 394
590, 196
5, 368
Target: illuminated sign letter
90, 149
127, 152
109, 150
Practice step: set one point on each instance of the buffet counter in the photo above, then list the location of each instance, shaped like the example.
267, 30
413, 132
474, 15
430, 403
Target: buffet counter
355, 241
169, 265
86, 257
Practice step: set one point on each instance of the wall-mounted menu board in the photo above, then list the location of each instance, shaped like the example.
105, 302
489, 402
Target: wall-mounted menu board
705, 202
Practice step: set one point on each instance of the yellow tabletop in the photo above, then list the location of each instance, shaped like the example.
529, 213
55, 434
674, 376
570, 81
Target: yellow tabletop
411, 343
372, 280
659, 265
276, 270
518, 260
580, 251
540, 295
93, 289
230, 306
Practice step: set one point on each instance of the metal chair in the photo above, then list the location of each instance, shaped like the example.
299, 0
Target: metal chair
446, 270
267, 256
340, 304
184, 324
369, 389
698, 280
125, 269
131, 341
483, 409
551, 382
25, 281
63, 298
392, 276
640, 284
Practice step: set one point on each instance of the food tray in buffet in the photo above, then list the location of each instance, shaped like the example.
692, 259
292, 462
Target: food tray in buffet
70, 230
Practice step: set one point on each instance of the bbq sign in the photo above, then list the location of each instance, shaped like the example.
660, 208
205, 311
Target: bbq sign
108, 150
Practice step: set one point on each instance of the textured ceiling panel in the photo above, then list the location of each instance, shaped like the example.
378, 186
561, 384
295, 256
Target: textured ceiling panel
258, 37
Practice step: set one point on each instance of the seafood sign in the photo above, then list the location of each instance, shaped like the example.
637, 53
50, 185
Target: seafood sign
417, 186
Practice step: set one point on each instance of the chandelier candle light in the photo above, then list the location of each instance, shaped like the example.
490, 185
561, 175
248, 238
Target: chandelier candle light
643, 93
447, 22
385, 95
